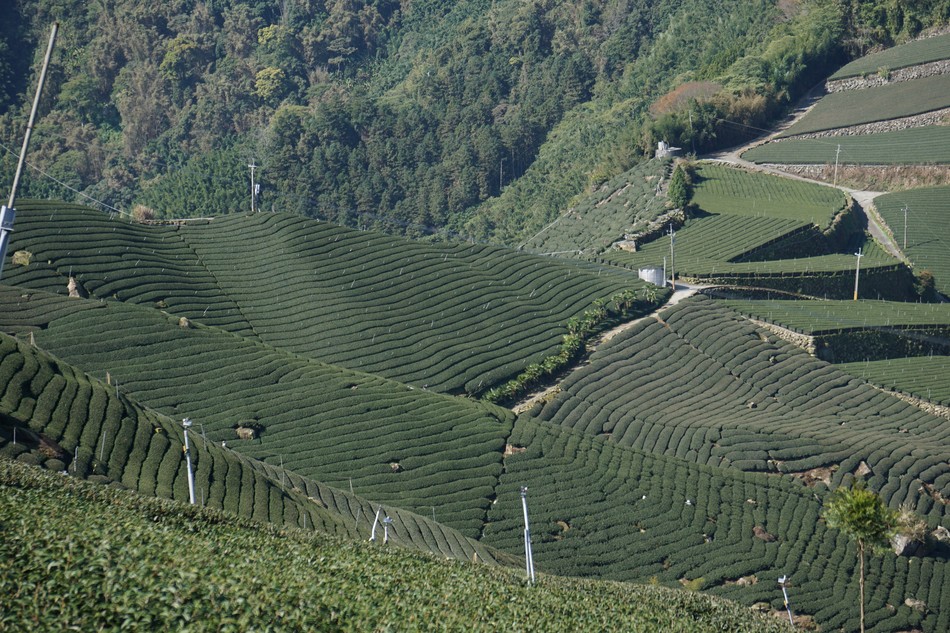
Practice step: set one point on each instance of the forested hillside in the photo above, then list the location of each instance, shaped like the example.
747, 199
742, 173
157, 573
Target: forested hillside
472, 118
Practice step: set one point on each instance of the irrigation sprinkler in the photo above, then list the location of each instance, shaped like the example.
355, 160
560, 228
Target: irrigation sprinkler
387, 521
783, 583
8, 211
186, 423
528, 558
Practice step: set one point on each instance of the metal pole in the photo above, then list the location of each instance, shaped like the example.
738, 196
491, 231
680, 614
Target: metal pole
528, 558
857, 271
372, 532
253, 167
672, 270
8, 212
905, 227
788, 607
191, 477
837, 151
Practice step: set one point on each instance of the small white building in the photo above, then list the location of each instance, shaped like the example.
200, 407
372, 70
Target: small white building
664, 150
653, 275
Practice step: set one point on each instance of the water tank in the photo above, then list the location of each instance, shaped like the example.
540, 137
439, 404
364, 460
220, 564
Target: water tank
653, 275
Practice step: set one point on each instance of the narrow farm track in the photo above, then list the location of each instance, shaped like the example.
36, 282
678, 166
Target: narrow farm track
683, 291
864, 199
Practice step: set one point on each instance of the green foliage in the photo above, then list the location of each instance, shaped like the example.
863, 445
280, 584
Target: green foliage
452, 317
862, 515
622, 306
927, 224
880, 103
922, 51
924, 377
680, 188
177, 567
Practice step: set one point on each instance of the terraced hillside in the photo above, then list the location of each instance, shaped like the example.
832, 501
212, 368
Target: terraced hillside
584, 490
929, 144
456, 318
746, 400
901, 346
756, 229
181, 568
53, 415
923, 51
388, 442
610, 511
927, 228
879, 103
625, 204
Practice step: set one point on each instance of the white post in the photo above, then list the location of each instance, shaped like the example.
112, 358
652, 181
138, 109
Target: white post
857, 271
837, 151
372, 532
253, 167
782, 583
905, 229
8, 212
191, 477
528, 558
672, 270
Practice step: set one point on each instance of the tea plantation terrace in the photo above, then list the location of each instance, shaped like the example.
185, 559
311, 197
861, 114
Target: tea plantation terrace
453, 317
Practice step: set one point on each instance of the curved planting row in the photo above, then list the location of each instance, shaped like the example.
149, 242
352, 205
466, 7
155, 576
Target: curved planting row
609, 511
390, 442
53, 415
625, 204
116, 259
728, 190
705, 385
451, 317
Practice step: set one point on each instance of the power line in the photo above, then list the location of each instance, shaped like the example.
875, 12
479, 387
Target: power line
71, 188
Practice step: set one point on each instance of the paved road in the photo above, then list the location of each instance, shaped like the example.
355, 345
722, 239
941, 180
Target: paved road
865, 199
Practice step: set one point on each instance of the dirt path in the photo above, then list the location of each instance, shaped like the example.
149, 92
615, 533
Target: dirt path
682, 292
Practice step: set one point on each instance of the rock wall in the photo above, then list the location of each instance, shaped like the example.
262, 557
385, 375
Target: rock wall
935, 117
879, 79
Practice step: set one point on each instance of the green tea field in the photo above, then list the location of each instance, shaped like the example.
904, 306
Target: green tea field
922, 51
927, 229
880, 103
921, 145
456, 318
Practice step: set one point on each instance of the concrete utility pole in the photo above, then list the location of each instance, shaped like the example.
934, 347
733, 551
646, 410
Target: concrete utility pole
905, 229
672, 270
528, 558
8, 212
253, 187
857, 271
837, 151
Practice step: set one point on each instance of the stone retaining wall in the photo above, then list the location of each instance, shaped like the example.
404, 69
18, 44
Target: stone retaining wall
803, 341
931, 69
935, 117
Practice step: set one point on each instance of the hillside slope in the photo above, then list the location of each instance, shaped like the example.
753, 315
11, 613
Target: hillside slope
177, 567
453, 317
54, 415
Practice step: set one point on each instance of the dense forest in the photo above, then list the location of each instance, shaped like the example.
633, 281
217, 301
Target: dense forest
475, 119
